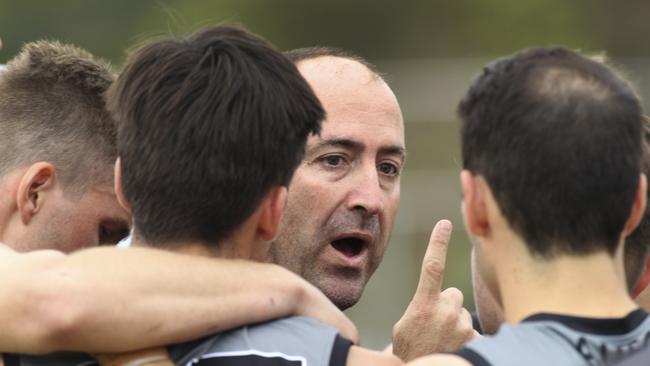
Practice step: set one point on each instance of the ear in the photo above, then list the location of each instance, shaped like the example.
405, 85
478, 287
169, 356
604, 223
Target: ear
119, 192
638, 206
644, 281
473, 205
271, 211
38, 180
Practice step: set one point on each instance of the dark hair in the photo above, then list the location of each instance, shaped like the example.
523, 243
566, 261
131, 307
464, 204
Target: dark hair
52, 109
308, 53
557, 137
637, 245
208, 124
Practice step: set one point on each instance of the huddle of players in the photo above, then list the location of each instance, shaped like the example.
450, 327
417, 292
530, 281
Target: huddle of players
211, 128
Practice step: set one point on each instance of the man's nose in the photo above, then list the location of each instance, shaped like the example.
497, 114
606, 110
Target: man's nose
366, 194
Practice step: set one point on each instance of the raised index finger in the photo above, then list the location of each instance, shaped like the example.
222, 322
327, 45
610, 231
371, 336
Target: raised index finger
433, 264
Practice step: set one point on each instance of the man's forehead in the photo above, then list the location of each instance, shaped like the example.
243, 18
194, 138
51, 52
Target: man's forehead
330, 70
359, 105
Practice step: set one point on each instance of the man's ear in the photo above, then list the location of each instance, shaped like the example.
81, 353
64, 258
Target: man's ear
271, 211
473, 206
638, 207
119, 192
35, 184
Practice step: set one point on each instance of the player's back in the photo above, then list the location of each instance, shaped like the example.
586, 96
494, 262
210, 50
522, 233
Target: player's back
551, 339
293, 341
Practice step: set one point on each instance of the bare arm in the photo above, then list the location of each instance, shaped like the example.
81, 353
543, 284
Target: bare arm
116, 300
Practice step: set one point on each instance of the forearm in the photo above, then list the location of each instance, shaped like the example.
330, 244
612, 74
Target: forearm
111, 300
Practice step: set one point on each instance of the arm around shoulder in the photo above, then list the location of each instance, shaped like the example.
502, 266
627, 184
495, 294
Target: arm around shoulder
117, 300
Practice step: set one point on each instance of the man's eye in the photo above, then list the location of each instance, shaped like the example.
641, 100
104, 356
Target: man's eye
333, 161
389, 169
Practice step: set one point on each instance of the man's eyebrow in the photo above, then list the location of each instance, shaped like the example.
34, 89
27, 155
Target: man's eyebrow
394, 150
340, 142
355, 145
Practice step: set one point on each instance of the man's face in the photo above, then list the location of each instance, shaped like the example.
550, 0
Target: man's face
68, 223
344, 196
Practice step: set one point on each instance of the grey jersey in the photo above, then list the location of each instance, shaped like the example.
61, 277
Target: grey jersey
548, 339
294, 341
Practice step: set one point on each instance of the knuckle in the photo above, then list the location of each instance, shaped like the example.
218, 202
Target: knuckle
434, 267
449, 315
454, 294
422, 314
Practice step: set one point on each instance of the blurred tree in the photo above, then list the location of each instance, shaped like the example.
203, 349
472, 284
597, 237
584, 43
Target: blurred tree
378, 29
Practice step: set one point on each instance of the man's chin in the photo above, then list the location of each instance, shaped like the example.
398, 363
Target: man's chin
343, 295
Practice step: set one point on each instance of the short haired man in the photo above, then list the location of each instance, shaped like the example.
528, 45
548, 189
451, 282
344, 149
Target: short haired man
552, 185
636, 262
58, 148
344, 197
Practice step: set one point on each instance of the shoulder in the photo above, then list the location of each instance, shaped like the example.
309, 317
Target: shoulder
534, 343
288, 341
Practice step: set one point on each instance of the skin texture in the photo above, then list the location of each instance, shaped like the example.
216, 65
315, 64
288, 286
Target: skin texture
45, 293
348, 184
44, 297
523, 285
38, 213
247, 242
489, 313
491, 316
643, 290
435, 320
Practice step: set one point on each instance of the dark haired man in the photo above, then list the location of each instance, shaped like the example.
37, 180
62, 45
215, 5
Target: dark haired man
552, 185
58, 151
636, 262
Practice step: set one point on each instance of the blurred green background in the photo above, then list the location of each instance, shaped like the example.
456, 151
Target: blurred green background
429, 51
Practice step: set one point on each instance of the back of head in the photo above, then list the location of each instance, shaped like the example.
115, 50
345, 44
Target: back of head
208, 124
52, 109
557, 136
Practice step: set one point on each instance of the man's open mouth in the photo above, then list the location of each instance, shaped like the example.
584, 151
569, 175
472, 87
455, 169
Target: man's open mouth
349, 246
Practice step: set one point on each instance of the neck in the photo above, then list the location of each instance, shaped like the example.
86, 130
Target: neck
587, 286
236, 246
